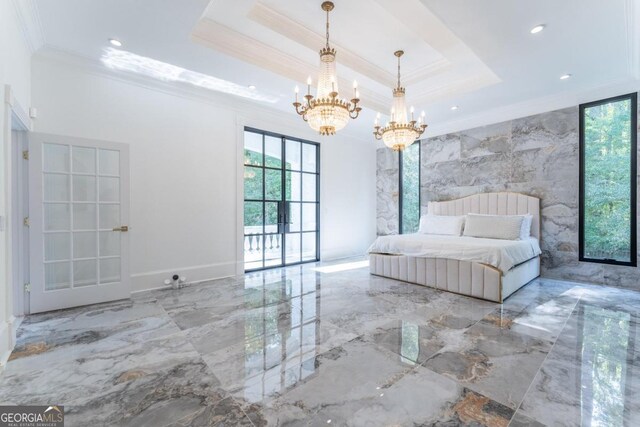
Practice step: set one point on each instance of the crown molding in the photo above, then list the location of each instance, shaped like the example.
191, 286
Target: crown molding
236, 104
226, 40
460, 86
533, 106
455, 58
29, 23
293, 30
416, 76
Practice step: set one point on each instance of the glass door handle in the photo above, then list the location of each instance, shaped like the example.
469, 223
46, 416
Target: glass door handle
287, 212
123, 228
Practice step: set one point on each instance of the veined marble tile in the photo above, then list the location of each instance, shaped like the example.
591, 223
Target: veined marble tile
345, 391
544, 130
540, 309
241, 326
343, 346
289, 349
226, 412
521, 420
439, 149
497, 363
485, 141
411, 342
591, 377
127, 385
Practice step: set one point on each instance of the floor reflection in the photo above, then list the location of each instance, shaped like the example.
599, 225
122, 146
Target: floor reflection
606, 344
280, 339
410, 343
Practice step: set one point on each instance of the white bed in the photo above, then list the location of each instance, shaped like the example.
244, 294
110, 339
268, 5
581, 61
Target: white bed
490, 269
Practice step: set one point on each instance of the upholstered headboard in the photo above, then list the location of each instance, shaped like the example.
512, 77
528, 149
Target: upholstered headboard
492, 204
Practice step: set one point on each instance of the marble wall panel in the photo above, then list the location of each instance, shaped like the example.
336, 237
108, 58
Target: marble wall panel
387, 176
486, 140
536, 155
441, 149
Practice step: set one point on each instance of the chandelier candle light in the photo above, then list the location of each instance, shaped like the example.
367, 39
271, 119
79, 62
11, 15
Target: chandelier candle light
327, 112
400, 132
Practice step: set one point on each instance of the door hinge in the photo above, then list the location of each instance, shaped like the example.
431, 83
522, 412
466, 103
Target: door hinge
25, 154
26, 222
27, 287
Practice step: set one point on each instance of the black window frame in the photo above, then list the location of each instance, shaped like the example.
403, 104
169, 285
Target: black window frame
633, 262
401, 186
283, 139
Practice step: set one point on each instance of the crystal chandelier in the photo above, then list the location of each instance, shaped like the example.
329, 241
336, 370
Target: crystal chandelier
400, 132
327, 112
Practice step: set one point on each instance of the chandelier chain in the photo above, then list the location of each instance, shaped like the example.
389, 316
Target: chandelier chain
327, 28
399, 71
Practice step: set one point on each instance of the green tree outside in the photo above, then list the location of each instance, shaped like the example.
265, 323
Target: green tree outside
410, 188
253, 188
607, 202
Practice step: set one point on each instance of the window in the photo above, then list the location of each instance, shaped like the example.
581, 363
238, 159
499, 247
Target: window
608, 180
281, 200
409, 204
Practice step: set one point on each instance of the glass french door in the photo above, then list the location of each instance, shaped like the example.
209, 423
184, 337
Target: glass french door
78, 216
281, 200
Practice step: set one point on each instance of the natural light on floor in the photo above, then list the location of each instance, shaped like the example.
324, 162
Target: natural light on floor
342, 267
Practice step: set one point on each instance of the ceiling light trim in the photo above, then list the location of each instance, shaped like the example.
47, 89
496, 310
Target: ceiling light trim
458, 58
219, 37
293, 30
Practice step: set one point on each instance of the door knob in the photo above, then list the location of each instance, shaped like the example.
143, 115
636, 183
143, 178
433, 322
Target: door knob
123, 229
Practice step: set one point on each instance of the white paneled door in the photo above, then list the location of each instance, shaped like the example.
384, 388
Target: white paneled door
78, 215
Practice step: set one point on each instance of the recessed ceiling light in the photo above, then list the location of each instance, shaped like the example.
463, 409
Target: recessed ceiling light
565, 76
454, 108
538, 28
115, 42
252, 87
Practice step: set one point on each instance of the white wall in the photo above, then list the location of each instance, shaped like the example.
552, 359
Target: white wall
15, 72
186, 175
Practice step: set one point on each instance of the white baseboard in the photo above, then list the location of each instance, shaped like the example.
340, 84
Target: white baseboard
199, 273
336, 254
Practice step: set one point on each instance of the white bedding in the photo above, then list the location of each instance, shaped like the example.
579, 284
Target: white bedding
502, 254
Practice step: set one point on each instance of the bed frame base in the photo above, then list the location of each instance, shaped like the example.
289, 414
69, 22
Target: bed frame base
460, 277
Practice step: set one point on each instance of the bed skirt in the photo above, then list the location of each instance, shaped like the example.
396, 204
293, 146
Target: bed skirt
460, 277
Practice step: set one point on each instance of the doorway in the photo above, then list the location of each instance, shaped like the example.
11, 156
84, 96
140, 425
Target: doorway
281, 200
19, 214
78, 216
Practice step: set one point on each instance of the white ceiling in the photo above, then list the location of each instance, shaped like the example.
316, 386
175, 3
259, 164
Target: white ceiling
476, 54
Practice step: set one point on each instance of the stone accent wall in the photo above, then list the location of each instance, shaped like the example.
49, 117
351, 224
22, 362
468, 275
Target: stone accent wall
536, 155
387, 176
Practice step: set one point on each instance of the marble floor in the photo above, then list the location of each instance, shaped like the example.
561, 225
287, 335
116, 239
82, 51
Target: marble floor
330, 344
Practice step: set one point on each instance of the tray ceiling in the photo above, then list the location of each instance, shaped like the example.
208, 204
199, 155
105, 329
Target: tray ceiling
284, 37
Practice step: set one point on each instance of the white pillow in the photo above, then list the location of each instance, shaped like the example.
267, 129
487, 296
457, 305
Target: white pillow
525, 232
441, 224
505, 227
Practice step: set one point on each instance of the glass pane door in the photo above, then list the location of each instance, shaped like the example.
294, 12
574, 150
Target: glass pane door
78, 209
81, 203
281, 203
